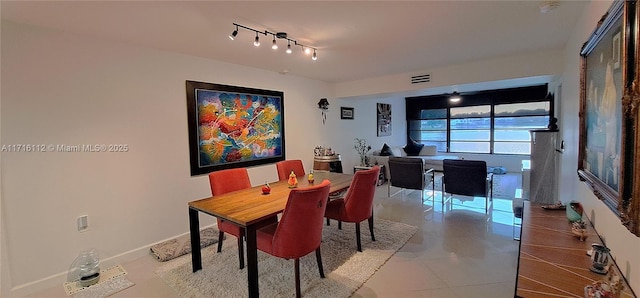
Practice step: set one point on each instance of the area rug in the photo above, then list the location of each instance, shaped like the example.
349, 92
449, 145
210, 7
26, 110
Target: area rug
345, 268
180, 246
105, 289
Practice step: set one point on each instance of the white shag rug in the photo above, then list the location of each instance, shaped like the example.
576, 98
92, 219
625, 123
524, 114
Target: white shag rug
345, 268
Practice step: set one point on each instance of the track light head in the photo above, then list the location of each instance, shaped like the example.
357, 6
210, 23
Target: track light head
274, 45
314, 57
256, 42
233, 34
289, 48
306, 50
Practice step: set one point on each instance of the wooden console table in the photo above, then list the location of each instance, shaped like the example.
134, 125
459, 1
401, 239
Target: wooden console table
552, 261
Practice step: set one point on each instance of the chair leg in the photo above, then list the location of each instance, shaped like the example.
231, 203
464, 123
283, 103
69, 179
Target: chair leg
339, 225
358, 237
220, 238
241, 252
373, 237
296, 264
319, 260
328, 222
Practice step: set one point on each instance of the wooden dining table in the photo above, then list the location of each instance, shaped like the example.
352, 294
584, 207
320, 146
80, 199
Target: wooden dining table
246, 208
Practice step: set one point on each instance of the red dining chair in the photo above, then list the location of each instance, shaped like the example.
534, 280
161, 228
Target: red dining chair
286, 166
357, 204
225, 181
299, 231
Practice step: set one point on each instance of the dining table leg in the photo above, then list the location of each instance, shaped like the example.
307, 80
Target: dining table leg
194, 231
252, 261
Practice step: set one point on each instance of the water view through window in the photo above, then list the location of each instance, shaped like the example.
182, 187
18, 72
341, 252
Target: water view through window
498, 129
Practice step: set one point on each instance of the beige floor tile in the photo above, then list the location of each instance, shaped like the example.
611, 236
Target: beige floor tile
504, 289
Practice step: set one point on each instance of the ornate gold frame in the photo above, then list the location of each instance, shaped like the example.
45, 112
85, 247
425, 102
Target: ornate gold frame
625, 200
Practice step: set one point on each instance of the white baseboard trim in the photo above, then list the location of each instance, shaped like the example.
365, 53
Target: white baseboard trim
60, 278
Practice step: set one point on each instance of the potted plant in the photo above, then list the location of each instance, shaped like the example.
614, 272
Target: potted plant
360, 145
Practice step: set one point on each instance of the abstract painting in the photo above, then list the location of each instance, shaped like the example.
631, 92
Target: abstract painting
232, 127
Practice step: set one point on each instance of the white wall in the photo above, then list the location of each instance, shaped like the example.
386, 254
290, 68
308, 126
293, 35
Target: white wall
364, 126
624, 245
70, 90
503, 72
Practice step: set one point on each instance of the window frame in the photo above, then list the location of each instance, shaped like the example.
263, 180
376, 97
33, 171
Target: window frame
491, 98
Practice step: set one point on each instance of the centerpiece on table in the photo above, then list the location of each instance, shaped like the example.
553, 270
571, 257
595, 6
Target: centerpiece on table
360, 145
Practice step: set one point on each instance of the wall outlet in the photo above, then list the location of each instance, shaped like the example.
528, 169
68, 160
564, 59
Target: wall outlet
83, 223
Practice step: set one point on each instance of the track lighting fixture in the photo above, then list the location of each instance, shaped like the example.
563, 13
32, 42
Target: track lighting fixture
455, 97
274, 44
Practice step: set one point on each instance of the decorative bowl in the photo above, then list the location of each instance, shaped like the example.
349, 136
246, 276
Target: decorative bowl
574, 211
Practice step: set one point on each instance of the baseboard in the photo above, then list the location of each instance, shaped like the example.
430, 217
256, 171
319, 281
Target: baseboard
60, 278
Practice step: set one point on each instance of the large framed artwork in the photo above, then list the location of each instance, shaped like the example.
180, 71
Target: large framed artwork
232, 127
607, 150
384, 119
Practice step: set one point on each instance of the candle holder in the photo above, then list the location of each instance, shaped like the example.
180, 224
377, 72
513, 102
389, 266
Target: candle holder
599, 258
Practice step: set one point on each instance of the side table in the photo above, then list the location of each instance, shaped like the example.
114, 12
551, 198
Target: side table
382, 177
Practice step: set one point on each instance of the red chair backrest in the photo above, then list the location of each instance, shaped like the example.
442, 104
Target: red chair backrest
299, 231
229, 180
358, 201
286, 166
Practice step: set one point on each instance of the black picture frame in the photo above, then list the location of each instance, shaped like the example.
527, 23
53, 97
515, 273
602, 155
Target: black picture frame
608, 75
383, 116
233, 127
346, 113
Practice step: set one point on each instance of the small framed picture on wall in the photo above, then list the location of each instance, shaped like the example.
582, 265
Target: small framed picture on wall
384, 119
346, 113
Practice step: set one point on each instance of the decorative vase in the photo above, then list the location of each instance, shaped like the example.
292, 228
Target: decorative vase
574, 212
310, 178
363, 160
293, 180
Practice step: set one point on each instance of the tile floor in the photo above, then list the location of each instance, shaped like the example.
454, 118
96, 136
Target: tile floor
458, 251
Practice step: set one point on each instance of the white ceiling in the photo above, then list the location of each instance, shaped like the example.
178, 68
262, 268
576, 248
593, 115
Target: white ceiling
355, 39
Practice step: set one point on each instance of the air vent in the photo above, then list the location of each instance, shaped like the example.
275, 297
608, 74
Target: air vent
425, 78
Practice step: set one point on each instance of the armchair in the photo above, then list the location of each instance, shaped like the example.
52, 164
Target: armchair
467, 178
409, 173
